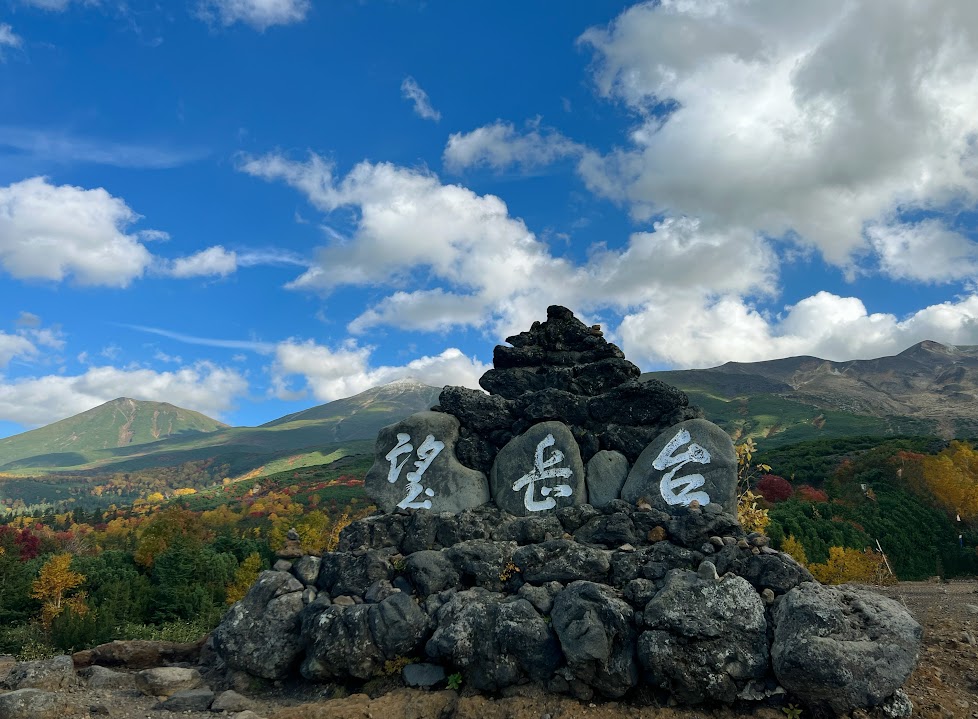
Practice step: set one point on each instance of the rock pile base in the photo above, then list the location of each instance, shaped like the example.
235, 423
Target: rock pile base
586, 602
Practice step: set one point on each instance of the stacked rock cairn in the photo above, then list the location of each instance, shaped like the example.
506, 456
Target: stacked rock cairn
575, 528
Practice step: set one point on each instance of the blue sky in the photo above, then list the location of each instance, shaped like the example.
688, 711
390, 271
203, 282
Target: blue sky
248, 207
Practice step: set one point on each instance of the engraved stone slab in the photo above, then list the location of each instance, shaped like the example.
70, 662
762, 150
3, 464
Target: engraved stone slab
692, 460
416, 468
606, 474
539, 471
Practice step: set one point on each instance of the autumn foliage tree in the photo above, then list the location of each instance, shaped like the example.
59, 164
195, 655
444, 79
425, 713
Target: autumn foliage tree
53, 583
774, 488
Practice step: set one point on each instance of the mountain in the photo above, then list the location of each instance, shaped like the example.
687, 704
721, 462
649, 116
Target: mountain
299, 439
929, 388
360, 416
122, 422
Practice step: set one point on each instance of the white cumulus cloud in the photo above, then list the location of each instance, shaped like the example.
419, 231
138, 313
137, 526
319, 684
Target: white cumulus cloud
259, 14
411, 90
37, 401
691, 331
50, 232
333, 373
212, 261
816, 120
500, 145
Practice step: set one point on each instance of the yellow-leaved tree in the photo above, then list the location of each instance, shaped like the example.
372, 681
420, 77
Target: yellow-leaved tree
52, 586
244, 577
793, 547
851, 565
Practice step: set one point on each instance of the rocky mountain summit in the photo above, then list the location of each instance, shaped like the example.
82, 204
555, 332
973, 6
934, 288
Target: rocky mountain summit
574, 530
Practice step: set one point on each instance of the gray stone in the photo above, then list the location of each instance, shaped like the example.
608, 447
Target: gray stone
542, 597
610, 531
282, 566
898, 706
778, 572
839, 648
259, 634
343, 642
423, 675
664, 489
529, 530
379, 591
496, 642
167, 681
482, 563
47, 674
482, 413
97, 677
32, 704
445, 486
231, 701
707, 640
189, 700
636, 403
306, 569
431, 572
561, 560
544, 448
595, 631
606, 474
351, 573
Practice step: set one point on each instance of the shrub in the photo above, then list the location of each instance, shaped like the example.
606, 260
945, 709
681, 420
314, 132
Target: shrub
774, 488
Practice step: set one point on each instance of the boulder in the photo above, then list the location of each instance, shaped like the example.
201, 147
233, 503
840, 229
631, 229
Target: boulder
230, 701
416, 467
260, 633
636, 402
539, 471
561, 560
355, 641
189, 700
423, 675
33, 704
167, 681
136, 654
96, 677
692, 460
482, 413
495, 641
595, 630
48, 674
606, 474
840, 648
345, 573
431, 572
706, 639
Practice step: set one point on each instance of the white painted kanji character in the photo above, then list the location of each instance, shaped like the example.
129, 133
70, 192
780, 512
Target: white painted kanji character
544, 469
669, 484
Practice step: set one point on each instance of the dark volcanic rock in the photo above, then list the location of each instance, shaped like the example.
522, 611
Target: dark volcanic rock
707, 639
482, 413
495, 641
539, 471
259, 634
693, 460
355, 641
840, 648
416, 467
561, 560
637, 403
596, 633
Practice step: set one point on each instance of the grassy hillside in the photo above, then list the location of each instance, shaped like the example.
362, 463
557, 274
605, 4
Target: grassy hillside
123, 422
299, 438
752, 406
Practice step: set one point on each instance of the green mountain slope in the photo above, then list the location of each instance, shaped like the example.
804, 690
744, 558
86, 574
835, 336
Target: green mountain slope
295, 440
928, 389
123, 422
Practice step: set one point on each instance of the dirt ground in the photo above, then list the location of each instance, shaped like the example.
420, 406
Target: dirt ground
944, 685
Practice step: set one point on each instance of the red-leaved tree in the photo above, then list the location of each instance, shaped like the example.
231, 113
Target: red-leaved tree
774, 488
